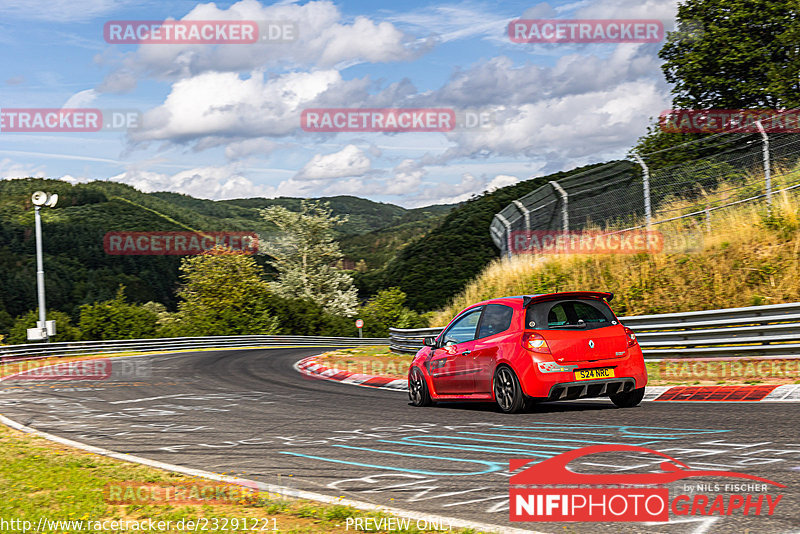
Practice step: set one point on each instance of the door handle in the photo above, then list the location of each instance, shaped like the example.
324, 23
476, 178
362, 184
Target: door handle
466, 353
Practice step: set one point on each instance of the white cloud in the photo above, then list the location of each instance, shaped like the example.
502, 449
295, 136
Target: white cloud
350, 161
324, 40
242, 149
501, 180
406, 178
664, 10
596, 123
74, 180
11, 169
542, 10
217, 183
470, 185
81, 99
500, 82
227, 105
223, 103
455, 22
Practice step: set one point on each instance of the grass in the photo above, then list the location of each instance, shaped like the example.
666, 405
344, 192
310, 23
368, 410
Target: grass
42, 479
745, 256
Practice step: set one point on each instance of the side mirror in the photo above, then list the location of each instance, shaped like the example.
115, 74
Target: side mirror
429, 341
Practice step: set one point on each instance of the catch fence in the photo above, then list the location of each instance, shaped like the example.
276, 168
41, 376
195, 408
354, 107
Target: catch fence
683, 184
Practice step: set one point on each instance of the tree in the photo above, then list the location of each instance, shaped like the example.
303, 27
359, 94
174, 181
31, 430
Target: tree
222, 294
305, 255
740, 54
117, 319
65, 331
301, 317
726, 54
387, 309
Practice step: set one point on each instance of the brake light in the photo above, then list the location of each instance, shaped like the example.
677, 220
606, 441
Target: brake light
535, 343
631, 336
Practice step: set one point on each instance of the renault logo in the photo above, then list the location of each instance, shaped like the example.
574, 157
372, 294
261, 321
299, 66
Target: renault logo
591, 344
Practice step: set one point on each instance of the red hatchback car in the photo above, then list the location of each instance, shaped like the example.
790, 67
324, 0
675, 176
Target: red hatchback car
525, 349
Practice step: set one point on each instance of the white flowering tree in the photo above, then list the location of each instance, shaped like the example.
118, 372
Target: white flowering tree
305, 256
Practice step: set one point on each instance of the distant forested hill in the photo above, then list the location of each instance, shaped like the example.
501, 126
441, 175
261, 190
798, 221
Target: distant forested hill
78, 271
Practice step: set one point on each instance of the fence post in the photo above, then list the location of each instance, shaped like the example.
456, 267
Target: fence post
507, 225
564, 205
525, 214
646, 187
765, 151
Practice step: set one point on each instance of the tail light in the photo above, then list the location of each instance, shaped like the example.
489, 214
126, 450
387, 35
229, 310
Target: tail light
631, 336
535, 343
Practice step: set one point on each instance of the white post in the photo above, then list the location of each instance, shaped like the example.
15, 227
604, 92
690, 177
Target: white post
525, 213
507, 226
564, 205
765, 151
40, 274
646, 189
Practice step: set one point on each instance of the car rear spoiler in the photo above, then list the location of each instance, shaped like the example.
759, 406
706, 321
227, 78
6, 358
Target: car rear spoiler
526, 300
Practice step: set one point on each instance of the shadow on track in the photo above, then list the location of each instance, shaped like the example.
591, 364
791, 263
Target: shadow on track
540, 408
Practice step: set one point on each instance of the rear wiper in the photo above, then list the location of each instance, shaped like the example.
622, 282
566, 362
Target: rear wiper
569, 326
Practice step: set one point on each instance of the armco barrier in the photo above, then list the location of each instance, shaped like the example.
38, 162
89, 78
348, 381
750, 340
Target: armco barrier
33, 351
733, 332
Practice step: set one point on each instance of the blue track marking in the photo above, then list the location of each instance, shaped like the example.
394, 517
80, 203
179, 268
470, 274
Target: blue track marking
523, 441
674, 433
477, 448
538, 438
491, 466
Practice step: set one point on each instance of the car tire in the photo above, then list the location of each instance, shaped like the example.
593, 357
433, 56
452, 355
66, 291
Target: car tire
507, 391
629, 399
418, 389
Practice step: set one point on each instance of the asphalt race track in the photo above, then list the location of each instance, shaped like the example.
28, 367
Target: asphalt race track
249, 412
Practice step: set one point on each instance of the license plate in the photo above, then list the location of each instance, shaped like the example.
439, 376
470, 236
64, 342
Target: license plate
593, 374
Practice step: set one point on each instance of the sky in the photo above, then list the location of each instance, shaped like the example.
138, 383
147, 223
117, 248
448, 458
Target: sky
223, 121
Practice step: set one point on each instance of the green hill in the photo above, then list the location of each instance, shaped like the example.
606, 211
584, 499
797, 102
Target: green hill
78, 271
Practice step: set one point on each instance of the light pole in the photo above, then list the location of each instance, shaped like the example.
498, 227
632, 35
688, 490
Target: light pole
39, 199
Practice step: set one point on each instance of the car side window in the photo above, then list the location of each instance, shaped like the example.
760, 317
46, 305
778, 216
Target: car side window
463, 329
496, 319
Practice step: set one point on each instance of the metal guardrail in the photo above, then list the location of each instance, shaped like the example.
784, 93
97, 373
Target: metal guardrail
34, 351
733, 332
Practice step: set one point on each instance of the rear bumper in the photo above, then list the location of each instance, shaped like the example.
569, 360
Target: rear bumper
590, 388
542, 385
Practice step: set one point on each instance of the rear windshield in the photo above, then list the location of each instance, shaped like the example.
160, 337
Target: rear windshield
581, 314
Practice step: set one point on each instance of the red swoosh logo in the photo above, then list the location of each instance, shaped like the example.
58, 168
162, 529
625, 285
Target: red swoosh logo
554, 471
